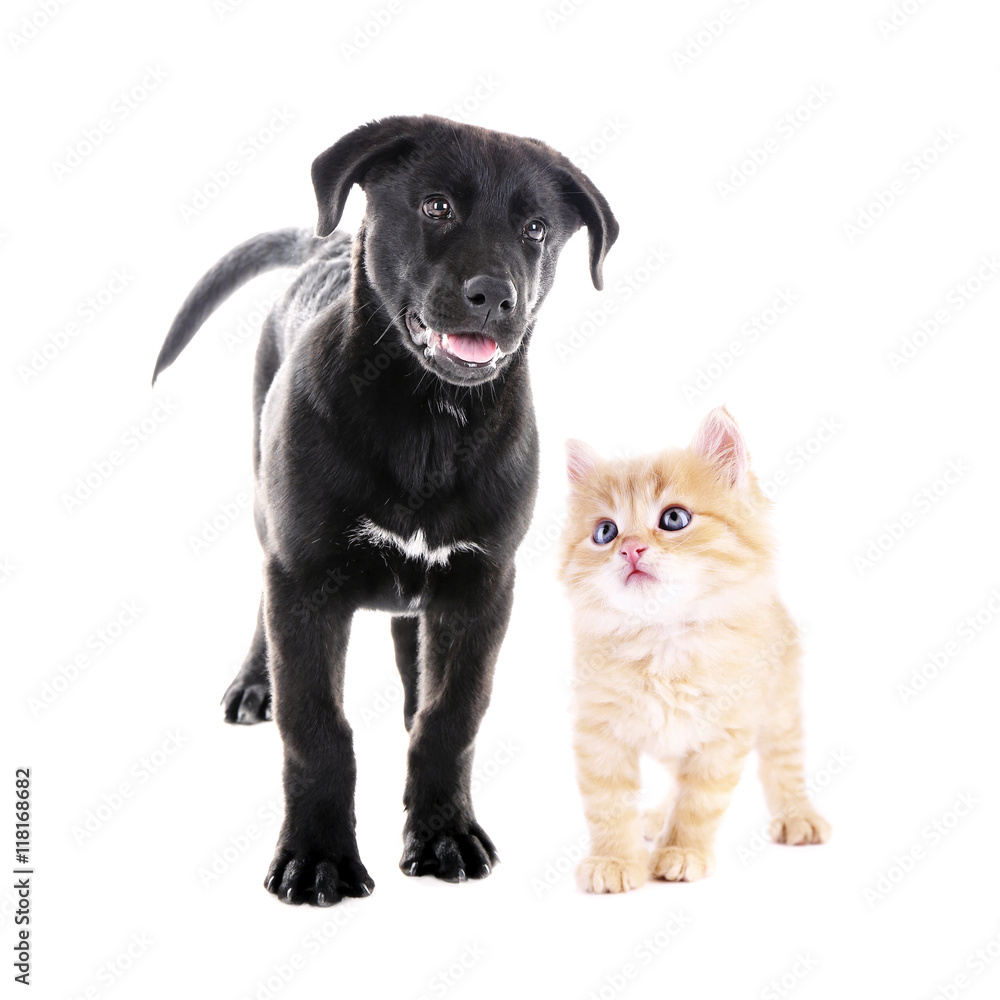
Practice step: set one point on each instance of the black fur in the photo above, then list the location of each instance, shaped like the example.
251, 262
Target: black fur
362, 429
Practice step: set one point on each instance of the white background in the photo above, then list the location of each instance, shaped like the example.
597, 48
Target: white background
603, 84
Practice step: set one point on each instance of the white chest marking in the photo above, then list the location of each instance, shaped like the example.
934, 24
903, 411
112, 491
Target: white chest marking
414, 547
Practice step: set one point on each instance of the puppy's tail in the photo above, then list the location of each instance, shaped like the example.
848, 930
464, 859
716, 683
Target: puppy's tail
282, 248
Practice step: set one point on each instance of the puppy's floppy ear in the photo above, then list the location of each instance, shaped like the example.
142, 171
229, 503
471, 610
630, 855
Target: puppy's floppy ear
348, 160
594, 211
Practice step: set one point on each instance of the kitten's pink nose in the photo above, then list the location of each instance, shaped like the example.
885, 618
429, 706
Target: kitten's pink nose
631, 549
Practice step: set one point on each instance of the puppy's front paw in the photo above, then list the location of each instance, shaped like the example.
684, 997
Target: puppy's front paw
452, 855
801, 826
681, 864
248, 700
316, 878
604, 874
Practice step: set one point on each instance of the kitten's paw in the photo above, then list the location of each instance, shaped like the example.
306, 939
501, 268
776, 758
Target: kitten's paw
800, 827
603, 874
681, 864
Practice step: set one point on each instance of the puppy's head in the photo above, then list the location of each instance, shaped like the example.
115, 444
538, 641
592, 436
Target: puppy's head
462, 233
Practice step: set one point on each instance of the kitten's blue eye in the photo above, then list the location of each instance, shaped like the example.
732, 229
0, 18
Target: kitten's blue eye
675, 518
605, 532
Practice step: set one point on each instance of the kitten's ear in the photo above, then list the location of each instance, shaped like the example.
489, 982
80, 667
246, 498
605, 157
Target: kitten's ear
719, 440
581, 460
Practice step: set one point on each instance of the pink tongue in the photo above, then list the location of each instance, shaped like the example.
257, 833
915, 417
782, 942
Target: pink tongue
471, 347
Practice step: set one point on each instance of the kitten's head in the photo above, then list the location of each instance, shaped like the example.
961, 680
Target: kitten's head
677, 536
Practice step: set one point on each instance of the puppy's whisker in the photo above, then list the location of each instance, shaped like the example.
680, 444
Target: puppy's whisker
378, 339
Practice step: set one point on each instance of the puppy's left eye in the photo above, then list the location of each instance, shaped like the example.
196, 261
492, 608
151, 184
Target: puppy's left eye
437, 208
675, 518
534, 230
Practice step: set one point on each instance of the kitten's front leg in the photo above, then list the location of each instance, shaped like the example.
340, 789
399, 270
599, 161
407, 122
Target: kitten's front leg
706, 779
794, 820
608, 774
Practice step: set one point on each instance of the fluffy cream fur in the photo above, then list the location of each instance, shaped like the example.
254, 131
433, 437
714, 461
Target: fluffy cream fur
692, 660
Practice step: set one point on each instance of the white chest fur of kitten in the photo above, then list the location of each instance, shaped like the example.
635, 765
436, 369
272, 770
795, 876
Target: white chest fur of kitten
668, 692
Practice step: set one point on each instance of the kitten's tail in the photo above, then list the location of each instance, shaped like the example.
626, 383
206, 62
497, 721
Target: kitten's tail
281, 248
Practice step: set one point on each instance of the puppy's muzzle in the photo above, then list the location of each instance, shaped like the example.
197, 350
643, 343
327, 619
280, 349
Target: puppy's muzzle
468, 350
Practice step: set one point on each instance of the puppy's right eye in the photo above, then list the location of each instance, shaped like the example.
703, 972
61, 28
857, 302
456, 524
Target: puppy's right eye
437, 208
605, 532
534, 230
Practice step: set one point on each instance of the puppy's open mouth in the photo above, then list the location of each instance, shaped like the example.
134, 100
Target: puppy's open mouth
467, 350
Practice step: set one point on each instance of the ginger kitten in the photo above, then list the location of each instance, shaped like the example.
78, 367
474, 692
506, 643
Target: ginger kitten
682, 650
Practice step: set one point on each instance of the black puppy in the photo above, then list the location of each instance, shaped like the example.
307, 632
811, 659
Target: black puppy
396, 463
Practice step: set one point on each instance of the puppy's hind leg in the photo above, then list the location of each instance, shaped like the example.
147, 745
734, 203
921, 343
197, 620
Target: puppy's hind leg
248, 699
405, 637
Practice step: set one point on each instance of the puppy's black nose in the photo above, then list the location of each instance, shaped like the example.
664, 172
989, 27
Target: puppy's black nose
486, 294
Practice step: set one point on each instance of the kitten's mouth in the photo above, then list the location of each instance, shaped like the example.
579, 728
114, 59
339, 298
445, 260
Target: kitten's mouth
637, 576
463, 349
